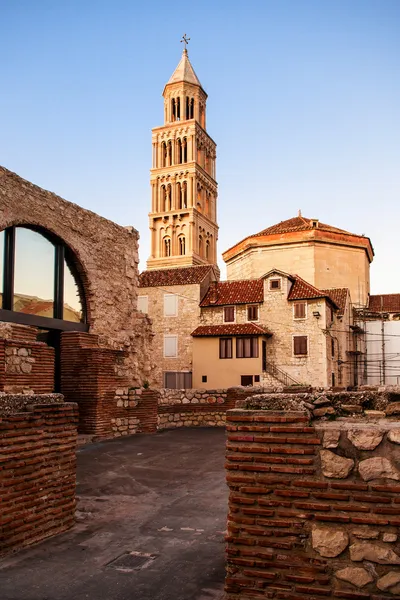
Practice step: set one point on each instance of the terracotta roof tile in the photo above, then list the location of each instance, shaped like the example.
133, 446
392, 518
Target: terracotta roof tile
177, 276
298, 224
339, 297
302, 290
230, 329
234, 292
384, 303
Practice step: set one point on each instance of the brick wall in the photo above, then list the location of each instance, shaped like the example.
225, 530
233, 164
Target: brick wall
37, 468
313, 507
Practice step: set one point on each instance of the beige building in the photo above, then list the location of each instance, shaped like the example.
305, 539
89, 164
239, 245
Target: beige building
278, 329
323, 255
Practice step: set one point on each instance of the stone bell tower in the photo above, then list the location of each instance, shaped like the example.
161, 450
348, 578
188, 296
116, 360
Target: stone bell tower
183, 217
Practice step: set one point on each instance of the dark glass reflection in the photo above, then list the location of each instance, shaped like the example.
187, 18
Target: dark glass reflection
2, 236
72, 301
34, 273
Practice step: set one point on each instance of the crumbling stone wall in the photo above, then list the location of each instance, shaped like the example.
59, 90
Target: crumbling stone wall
37, 468
106, 259
313, 508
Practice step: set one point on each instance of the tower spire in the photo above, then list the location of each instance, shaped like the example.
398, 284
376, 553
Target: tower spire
185, 40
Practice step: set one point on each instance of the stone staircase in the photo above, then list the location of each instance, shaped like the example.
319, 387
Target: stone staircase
274, 376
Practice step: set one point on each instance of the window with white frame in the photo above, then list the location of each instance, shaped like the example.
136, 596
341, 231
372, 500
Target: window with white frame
300, 345
170, 305
300, 310
252, 312
170, 346
275, 284
143, 304
229, 314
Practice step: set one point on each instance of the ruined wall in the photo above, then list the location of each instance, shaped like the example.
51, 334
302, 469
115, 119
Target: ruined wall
37, 468
106, 260
314, 508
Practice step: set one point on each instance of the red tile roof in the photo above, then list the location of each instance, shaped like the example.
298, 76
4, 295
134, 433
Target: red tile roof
177, 276
384, 303
230, 329
234, 292
298, 224
339, 297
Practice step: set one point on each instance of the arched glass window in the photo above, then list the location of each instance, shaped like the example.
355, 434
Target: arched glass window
182, 245
39, 279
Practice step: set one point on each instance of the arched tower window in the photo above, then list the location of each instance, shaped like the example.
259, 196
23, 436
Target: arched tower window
163, 154
169, 154
184, 195
168, 201
179, 195
207, 207
167, 246
192, 108
173, 109
184, 150
179, 150
182, 245
178, 109
202, 119
163, 198
200, 245
207, 249
39, 279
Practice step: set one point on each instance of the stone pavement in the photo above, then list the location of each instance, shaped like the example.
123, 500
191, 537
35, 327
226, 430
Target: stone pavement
161, 495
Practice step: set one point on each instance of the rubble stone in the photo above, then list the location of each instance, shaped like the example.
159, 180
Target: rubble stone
329, 542
355, 575
365, 439
378, 468
335, 466
373, 552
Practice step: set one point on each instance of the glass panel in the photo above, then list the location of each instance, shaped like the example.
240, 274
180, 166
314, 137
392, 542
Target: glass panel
2, 240
34, 273
73, 310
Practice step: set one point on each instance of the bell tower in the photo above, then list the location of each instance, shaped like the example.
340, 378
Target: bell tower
183, 217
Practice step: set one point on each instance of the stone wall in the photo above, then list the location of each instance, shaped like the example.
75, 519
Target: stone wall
192, 408
26, 365
313, 507
106, 258
37, 468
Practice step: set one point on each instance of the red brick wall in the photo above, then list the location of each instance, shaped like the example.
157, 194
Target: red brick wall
281, 496
37, 473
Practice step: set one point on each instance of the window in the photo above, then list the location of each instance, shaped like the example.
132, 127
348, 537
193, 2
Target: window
299, 310
274, 284
178, 380
225, 348
170, 346
333, 380
143, 304
182, 245
170, 305
256, 379
229, 314
167, 247
247, 347
333, 347
252, 312
204, 379
300, 345
246, 380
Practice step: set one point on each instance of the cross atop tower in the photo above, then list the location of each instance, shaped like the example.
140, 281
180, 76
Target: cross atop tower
185, 40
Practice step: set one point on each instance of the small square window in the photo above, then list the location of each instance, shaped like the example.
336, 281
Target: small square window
274, 284
300, 310
204, 379
256, 379
229, 314
170, 305
246, 380
252, 312
300, 345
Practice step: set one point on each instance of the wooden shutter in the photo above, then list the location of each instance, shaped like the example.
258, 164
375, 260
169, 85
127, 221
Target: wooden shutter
300, 345
300, 310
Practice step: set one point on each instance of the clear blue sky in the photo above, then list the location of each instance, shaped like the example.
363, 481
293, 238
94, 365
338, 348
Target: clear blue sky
304, 100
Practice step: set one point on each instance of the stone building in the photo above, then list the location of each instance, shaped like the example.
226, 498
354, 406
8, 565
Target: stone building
68, 319
274, 330
322, 255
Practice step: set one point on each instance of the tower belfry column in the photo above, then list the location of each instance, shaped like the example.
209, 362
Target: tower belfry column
183, 225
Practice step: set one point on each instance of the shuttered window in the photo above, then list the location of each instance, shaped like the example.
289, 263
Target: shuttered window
225, 348
300, 345
252, 312
178, 380
247, 347
300, 310
170, 305
229, 314
170, 346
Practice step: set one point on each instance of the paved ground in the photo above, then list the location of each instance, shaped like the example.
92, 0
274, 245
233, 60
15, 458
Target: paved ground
164, 495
